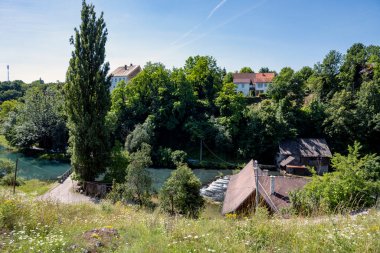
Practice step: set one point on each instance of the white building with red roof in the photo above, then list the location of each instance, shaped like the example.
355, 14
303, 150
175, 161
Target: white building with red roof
253, 83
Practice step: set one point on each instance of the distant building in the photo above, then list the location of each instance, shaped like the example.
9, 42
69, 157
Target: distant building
273, 191
126, 73
295, 155
253, 83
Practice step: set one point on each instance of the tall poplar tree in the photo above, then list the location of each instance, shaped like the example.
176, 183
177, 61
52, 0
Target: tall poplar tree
87, 96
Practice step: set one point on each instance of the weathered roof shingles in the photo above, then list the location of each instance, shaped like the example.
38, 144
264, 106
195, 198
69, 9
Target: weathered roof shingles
243, 185
305, 148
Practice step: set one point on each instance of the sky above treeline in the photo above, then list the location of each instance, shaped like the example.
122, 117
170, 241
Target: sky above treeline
274, 33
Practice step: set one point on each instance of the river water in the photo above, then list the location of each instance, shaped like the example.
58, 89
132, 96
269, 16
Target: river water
32, 168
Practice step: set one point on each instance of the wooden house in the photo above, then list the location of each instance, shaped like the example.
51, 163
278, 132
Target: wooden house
273, 191
295, 156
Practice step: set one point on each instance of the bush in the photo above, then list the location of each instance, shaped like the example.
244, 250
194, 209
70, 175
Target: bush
6, 166
119, 193
181, 193
138, 180
178, 157
353, 185
9, 180
10, 212
119, 163
141, 134
166, 158
163, 157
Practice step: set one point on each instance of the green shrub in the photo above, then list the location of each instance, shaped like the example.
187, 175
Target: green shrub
119, 193
354, 184
178, 157
10, 212
8, 180
6, 166
163, 157
167, 158
138, 180
181, 193
119, 163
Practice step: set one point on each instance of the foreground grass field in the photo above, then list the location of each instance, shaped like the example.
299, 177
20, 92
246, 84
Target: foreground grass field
27, 225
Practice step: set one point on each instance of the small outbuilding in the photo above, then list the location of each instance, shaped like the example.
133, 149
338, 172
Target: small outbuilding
273, 191
296, 155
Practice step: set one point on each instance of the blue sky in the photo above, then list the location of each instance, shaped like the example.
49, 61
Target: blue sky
274, 33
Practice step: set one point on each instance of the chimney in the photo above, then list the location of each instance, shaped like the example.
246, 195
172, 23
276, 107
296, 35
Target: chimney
125, 67
272, 178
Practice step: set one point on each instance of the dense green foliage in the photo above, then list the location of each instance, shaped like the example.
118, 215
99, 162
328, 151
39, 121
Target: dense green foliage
6, 166
246, 70
180, 193
199, 102
136, 185
11, 90
38, 121
117, 170
355, 183
87, 96
138, 181
338, 99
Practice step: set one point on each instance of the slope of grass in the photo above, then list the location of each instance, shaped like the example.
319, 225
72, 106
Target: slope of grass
27, 225
5, 143
32, 187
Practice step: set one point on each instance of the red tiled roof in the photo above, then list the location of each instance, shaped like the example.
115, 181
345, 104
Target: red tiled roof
253, 77
264, 77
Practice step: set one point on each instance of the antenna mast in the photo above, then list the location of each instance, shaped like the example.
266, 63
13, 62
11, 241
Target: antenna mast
8, 72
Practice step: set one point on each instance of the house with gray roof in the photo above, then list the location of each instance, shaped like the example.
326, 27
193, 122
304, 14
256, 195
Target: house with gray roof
296, 155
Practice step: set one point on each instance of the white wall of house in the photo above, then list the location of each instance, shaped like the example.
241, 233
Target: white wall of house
243, 88
261, 87
116, 79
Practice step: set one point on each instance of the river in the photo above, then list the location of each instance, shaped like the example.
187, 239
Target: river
33, 168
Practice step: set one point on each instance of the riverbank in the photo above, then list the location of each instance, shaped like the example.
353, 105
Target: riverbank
32, 188
44, 226
5, 144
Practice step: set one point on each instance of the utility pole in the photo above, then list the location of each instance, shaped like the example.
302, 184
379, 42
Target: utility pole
256, 170
15, 177
200, 152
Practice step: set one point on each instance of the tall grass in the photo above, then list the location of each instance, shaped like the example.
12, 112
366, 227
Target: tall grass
42, 226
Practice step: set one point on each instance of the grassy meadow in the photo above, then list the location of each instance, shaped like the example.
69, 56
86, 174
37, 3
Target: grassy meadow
27, 225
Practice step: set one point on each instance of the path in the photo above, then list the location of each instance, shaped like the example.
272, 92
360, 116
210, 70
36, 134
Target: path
65, 193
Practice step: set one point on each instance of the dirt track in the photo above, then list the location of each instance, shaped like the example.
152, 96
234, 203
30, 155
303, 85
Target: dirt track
65, 193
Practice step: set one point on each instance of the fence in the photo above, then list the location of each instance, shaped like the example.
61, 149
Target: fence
64, 176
